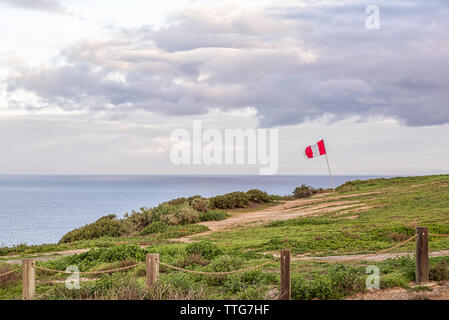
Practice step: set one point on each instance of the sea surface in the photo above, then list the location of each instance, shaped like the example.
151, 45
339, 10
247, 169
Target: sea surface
41, 209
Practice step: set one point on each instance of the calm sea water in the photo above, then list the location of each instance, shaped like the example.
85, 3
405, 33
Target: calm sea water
41, 209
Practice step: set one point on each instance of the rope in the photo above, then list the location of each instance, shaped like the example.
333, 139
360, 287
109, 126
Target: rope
366, 256
222, 273
91, 272
438, 235
9, 272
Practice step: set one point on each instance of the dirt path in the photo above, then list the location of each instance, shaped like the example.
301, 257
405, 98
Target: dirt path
361, 257
288, 210
435, 291
46, 256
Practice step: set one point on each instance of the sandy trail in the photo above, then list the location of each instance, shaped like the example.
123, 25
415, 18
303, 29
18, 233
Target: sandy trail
289, 210
361, 257
437, 291
45, 256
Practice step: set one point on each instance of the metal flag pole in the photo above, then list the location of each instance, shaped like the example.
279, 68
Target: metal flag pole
330, 172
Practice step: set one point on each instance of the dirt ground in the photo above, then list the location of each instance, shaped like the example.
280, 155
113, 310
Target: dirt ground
434, 291
285, 211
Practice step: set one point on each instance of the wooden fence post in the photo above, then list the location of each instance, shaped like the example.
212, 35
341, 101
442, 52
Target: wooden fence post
422, 255
285, 275
28, 279
152, 263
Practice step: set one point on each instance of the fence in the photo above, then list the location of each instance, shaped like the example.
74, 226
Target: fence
152, 266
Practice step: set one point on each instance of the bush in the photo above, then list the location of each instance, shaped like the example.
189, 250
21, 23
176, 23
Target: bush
340, 282
397, 233
214, 215
200, 204
275, 197
205, 249
230, 201
258, 196
225, 264
96, 256
155, 227
303, 192
177, 214
110, 287
8, 279
105, 226
138, 220
440, 272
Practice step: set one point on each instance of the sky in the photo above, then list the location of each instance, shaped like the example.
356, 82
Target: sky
97, 86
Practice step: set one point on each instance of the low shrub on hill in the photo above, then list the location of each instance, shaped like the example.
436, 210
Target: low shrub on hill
341, 281
205, 249
93, 257
230, 201
258, 196
214, 215
395, 233
200, 204
105, 226
304, 192
177, 214
154, 227
439, 272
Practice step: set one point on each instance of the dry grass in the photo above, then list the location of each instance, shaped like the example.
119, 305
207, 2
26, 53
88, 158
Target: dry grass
5, 280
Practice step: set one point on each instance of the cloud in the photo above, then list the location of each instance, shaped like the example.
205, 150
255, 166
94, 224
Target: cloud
53, 6
290, 63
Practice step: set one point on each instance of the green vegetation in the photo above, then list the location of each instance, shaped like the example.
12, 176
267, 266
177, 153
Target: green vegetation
180, 211
214, 215
385, 212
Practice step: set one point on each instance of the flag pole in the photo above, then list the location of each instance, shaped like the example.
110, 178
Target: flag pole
330, 172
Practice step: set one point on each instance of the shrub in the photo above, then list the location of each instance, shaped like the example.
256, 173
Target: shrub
394, 279
205, 249
116, 286
155, 227
230, 201
222, 264
214, 215
8, 279
340, 282
258, 196
225, 264
303, 192
304, 289
397, 233
439, 272
96, 256
177, 214
138, 220
105, 226
200, 204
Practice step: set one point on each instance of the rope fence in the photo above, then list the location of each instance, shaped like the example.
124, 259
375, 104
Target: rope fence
152, 266
9, 272
219, 273
91, 272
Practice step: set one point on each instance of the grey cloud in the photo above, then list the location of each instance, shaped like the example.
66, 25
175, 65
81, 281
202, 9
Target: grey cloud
41, 5
291, 64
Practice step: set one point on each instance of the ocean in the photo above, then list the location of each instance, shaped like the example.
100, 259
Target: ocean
41, 209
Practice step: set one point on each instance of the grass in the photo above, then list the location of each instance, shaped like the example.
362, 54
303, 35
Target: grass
395, 207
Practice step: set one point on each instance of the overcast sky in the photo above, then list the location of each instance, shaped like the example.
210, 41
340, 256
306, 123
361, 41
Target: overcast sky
96, 86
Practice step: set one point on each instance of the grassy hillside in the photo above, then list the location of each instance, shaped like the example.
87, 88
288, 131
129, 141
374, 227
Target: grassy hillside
383, 213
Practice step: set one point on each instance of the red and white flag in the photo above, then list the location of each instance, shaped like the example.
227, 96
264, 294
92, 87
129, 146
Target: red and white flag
315, 150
